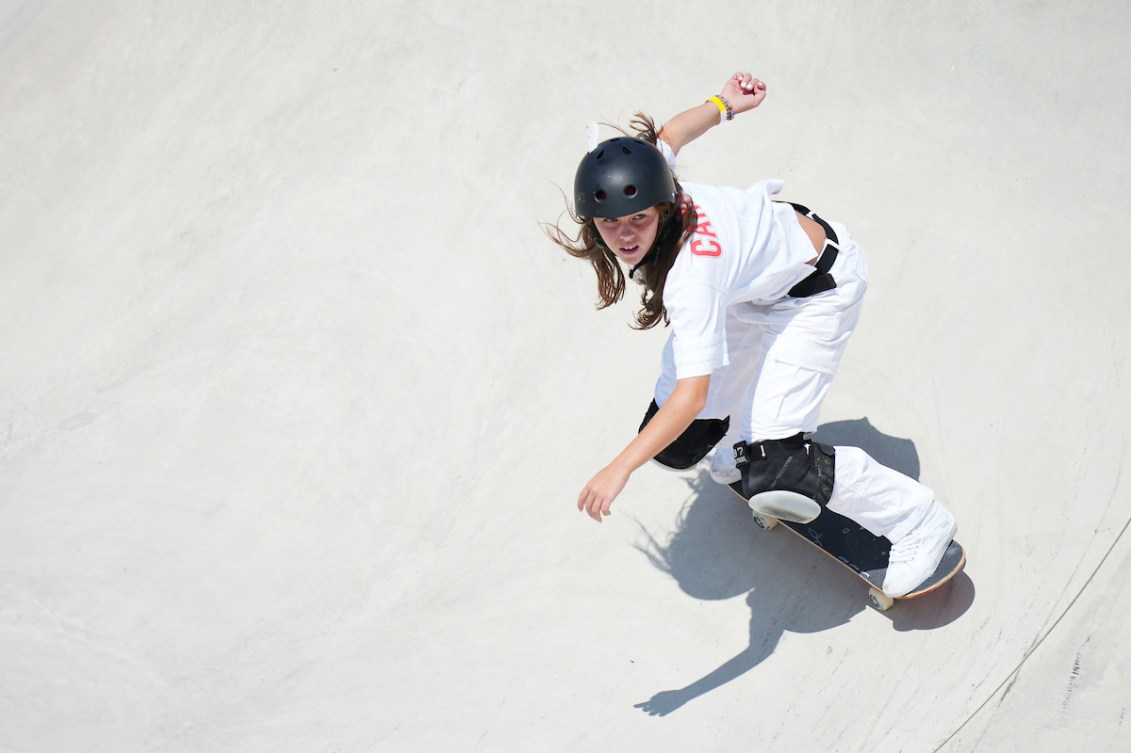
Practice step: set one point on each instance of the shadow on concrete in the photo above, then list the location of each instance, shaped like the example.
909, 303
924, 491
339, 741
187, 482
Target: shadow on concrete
934, 610
716, 552
894, 452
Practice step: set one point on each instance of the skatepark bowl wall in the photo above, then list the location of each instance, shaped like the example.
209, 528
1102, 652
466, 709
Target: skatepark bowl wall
296, 398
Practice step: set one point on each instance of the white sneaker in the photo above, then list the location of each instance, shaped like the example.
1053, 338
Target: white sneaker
916, 556
723, 469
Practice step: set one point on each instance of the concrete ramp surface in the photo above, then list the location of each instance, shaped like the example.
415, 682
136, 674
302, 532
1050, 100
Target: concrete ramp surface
296, 399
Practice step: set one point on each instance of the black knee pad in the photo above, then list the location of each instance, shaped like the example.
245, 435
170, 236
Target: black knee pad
790, 478
693, 444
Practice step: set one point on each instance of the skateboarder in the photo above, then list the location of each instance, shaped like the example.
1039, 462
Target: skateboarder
761, 297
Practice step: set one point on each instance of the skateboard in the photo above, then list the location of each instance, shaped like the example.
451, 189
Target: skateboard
862, 552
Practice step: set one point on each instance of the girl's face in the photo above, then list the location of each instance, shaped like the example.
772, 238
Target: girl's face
630, 237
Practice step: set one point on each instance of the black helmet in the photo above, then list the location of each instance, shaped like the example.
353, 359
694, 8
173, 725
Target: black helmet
622, 176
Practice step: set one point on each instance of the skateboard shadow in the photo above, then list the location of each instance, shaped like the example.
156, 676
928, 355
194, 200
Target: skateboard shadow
937, 609
717, 553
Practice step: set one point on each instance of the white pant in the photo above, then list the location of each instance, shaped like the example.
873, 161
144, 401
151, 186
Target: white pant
782, 359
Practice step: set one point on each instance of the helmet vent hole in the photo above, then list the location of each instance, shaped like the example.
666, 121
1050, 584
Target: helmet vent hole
630, 191
626, 150
600, 195
600, 154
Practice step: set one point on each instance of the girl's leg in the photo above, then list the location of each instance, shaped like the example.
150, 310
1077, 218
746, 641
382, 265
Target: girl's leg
805, 339
729, 386
882, 500
804, 343
744, 347
887, 503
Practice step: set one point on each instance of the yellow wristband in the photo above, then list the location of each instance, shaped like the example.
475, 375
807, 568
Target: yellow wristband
725, 108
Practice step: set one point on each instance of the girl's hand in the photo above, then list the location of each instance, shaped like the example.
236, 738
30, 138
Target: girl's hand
743, 91
597, 497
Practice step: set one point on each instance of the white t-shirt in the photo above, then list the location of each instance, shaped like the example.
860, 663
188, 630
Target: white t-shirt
746, 248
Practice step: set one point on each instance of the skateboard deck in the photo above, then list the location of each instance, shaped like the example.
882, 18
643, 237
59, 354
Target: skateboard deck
862, 552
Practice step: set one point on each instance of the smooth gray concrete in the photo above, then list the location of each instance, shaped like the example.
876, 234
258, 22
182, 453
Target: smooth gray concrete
296, 400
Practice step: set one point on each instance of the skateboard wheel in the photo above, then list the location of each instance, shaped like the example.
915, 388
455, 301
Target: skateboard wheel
765, 522
880, 600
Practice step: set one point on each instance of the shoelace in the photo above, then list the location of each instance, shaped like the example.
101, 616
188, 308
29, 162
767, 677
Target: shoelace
909, 546
904, 554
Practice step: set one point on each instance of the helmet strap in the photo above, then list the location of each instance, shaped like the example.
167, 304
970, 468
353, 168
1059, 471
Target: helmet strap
649, 259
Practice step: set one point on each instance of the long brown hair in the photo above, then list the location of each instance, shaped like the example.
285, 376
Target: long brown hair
677, 221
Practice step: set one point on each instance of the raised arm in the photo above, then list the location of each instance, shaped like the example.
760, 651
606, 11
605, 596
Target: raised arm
742, 91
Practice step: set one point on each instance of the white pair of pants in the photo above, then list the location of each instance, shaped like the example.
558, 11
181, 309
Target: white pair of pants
781, 362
